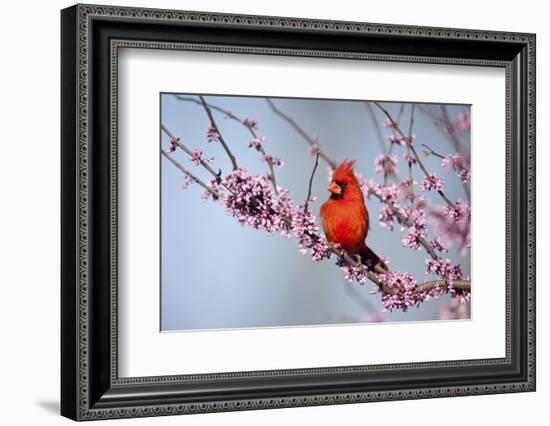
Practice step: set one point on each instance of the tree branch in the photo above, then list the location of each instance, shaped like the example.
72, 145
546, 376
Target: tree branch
220, 137
310, 140
232, 116
191, 176
376, 126
411, 124
464, 285
432, 152
464, 184
306, 204
413, 150
444, 123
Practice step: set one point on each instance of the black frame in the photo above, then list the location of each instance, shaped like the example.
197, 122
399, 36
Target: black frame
90, 386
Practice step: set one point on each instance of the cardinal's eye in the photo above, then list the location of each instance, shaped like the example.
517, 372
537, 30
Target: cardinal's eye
342, 185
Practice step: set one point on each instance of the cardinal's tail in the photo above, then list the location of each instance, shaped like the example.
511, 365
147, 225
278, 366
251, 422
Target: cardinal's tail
371, 260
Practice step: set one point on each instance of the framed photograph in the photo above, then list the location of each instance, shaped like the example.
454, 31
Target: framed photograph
263, 212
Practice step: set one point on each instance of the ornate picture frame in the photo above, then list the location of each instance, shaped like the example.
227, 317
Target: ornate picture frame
91, 37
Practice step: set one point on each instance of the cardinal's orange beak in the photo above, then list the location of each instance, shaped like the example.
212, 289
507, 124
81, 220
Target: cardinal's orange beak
334, 188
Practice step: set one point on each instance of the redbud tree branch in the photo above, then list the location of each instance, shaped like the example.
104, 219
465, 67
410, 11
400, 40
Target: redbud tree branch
376, 127
191, 176
413, 150
411, 124
464, 184
250, 128
310, 140
176, 141
402, 220
308, 197
353, 262
217, 130
445, 127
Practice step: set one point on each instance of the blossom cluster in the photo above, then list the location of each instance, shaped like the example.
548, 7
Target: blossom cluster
276, 161
463, 121
257, 142
307, 234
432, 182
352, 273
403, 291
453, 310
386, 165
251, 201
401, 140
416, 217
457, 163
251, 123
197, 157
448, 272
453, 224
212, 135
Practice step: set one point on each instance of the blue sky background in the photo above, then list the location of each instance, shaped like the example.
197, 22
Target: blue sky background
217, 274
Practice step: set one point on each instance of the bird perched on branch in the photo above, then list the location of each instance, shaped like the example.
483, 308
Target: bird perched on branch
345, 217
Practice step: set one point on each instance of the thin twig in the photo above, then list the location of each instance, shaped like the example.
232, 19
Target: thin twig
376, 126
203, 163
445, 127
306, 204
464, 184
451, 129
191, 176
309, 139
432, 152
411, 124
232, 116
217, 130
413, 150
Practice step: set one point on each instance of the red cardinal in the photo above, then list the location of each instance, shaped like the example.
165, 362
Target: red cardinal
346, 218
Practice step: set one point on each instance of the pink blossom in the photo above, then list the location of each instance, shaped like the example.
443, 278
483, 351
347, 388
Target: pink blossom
257, 142
439, 245
432, 182
386, 165
445, 270
457, 163
401, 140
172, 147
252, 202
250, 123
409, 158
196, 156
453, 224
465, 175
385, 218
406, 189
417, 229
187, 182
307, 234
314, 149
352, 273
404, 293
274, 160
377, 317
389, 123
463, 121
453, 163
453, 310
212, 135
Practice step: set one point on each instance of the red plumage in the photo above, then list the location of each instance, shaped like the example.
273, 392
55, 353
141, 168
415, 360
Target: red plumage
345, 217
